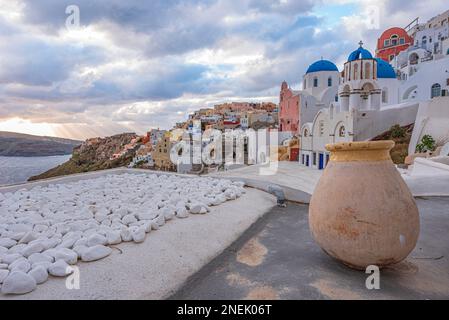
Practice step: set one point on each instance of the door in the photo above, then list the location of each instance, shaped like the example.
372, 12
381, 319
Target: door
321, 162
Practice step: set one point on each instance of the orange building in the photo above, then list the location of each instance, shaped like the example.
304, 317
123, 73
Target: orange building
391, 42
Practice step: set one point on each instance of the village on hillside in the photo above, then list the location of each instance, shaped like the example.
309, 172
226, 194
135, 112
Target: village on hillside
399, 90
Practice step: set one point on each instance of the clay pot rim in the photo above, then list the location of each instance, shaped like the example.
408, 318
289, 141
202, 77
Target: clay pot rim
361, 145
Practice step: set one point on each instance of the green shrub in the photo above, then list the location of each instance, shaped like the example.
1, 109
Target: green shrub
427, 144
397, 131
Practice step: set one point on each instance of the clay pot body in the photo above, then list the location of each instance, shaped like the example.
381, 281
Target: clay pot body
362, 212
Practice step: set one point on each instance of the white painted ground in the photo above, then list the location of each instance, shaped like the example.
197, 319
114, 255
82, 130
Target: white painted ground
63, 222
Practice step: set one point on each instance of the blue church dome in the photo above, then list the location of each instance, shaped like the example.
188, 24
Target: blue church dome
322, 65
384, 69
360, 53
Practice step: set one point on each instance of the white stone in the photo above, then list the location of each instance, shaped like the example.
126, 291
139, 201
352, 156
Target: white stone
139, 235
40, 257
126, 235
113, 237
3, 266
21, 264
95, 253
3, 274
17, 248
17, 235
7, 242
33, 248
60, 269
182, 212
146, 216
39, 274
96, 239
18, 282
44, 264
10, 258
168, 213
80, 249
69, 256
128, 219
28, 237
3, 250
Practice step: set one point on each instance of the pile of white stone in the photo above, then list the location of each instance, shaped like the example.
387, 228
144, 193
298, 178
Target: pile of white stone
46, 229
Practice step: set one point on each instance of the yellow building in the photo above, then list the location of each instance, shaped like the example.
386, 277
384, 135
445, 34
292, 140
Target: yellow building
161, 154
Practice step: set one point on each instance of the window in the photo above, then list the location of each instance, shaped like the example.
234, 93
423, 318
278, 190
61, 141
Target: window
329, 82
342, 131
391, 57
306, 133
367, 70
386, 42
430, 39
394, 40
384, 95
435, 90
424, 40
315, 82
401, 41
356, 72
314, 158
336, 98
321, 126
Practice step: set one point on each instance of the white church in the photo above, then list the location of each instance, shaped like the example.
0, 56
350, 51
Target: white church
372, 97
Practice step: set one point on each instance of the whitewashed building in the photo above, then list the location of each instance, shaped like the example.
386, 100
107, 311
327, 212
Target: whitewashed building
371, 100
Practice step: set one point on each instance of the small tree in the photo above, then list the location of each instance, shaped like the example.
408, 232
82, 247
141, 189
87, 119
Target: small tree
427, 144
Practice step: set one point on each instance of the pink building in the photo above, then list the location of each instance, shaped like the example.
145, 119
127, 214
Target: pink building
288, 109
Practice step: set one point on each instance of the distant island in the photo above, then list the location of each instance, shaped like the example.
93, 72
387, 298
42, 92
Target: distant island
24, 145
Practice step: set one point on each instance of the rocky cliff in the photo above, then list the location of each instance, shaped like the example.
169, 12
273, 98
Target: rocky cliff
96, 154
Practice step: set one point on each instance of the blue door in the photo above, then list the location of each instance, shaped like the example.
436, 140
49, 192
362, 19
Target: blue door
321, 162
307, 160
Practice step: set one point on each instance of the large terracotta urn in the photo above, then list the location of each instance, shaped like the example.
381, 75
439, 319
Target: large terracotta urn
362, 212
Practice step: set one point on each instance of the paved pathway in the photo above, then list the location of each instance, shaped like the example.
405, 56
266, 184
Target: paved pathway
277, 259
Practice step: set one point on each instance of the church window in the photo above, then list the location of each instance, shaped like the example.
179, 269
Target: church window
315, 82
386, 42
367, 70
305, 84
329, 82
342, 131
401, 41
321, 127
306, 133
384, 95
356, 72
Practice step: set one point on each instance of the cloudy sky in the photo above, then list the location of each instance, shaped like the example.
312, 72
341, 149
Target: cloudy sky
134, 65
